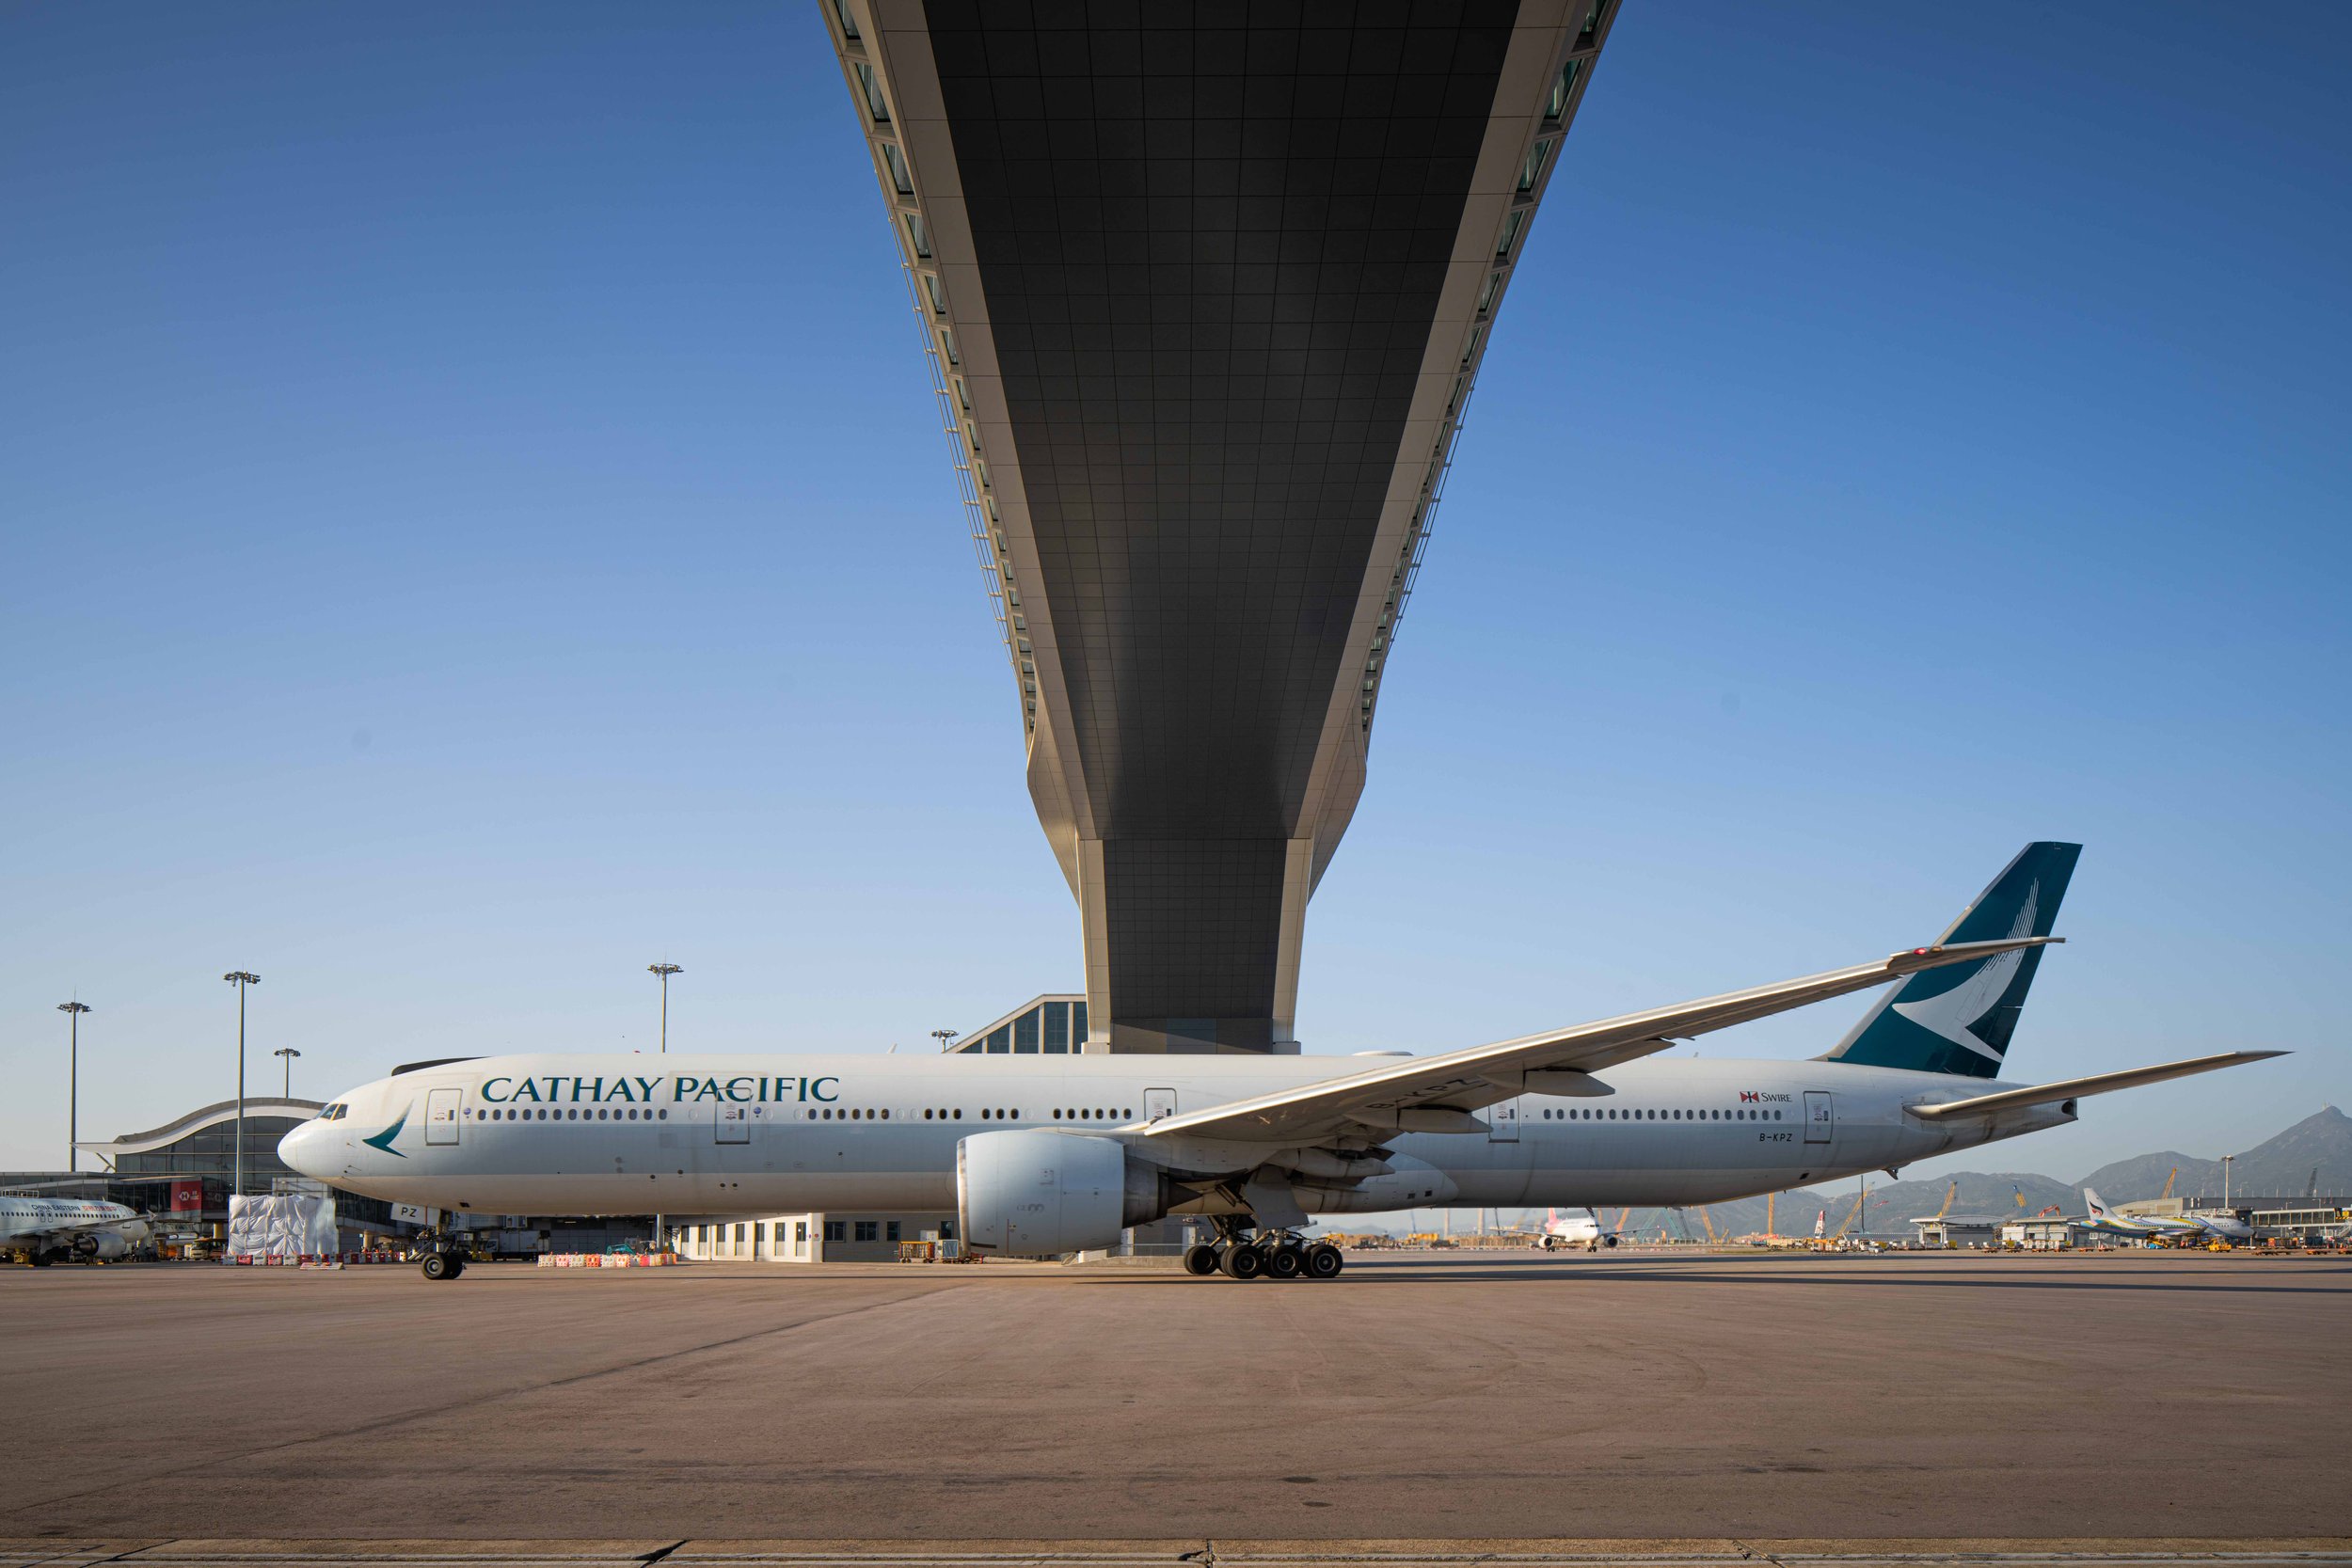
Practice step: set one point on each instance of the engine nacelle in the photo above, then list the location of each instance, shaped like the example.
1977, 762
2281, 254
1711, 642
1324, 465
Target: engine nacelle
106, 1245
1035, 1192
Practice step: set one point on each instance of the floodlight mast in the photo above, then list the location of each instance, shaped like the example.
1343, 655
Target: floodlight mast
665, 970
73, 1011
241, 980
946, 1037
287, 1054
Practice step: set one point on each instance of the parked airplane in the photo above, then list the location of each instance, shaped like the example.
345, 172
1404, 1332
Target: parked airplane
1041, 1155
46, 1231
2225, 1227
1574, 1231
2103, 1221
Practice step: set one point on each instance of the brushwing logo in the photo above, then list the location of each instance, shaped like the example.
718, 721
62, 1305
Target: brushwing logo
1954, 1014
384, 1140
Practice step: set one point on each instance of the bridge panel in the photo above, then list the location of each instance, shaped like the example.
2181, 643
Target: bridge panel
1207, 286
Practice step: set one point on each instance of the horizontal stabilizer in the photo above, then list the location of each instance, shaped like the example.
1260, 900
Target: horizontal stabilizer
2075, 1088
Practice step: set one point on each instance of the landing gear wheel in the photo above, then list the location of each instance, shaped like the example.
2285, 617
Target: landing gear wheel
1285, 1262
1243, 1262
456, 1265
1200, 1259
438, 1265
43, 1259
1324, 1261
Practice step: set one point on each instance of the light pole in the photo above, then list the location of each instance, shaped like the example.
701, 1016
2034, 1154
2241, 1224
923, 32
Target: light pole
665, 971
240, 978
287, 1054
2225, 1179
945, 1036
73, 1011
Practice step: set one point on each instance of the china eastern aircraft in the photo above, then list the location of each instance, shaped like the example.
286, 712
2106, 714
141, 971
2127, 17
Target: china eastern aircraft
1044, 1155
51, 1230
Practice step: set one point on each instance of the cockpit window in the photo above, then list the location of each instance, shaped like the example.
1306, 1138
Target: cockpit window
333, 1113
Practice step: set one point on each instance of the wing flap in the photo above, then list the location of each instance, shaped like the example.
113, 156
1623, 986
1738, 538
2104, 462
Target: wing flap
1466, 1080
2075, 1088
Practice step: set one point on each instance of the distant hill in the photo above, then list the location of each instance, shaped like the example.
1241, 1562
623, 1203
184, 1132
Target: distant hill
2279, 1167
2283, 1166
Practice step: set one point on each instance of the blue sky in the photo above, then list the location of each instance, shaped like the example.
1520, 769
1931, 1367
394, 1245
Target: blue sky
475, 525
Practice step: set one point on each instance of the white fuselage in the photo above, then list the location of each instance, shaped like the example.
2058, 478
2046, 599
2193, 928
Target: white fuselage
42, 1224
707, 1134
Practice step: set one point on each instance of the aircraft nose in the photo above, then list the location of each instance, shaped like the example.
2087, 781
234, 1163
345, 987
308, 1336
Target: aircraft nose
300, 1149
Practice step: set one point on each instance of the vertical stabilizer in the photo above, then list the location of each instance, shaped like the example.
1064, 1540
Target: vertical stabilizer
1959, 1020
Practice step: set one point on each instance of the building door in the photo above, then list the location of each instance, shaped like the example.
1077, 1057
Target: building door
735, 1124
1820, 1117
440, 1116
1503, 1122
1158, 1104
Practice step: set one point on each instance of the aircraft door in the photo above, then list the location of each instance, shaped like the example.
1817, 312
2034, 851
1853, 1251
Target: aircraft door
734, 1124
440, 1116
1820, 1116
1503, 1122
1158, 1104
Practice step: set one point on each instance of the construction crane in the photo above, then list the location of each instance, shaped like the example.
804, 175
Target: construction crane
1709, 1221
1949, 1193
2169, 1177
1846, 1224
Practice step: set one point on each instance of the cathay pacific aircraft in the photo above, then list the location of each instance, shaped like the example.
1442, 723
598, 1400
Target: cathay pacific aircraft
1044, 1155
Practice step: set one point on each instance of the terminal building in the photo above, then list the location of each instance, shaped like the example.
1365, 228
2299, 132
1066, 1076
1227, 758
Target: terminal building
183, 1173
1205, 293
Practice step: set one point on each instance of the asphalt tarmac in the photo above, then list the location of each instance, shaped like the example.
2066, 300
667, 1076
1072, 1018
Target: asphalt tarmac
1735, 1401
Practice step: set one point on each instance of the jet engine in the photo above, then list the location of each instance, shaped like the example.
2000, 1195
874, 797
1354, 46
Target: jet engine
1036, 1193
104, 1246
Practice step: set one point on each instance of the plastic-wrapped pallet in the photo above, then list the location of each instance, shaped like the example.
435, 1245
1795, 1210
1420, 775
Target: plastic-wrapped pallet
283, 1225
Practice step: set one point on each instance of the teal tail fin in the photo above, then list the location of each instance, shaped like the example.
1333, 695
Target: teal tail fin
1959, 1020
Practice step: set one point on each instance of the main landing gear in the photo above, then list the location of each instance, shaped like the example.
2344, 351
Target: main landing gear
1271, 1255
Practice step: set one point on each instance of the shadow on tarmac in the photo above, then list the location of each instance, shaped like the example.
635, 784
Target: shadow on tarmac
2333, 1277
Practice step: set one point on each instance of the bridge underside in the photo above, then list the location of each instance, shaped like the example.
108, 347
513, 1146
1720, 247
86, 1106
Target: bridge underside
1206, 295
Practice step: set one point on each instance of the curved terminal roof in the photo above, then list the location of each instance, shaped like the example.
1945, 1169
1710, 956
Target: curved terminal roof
222, 1113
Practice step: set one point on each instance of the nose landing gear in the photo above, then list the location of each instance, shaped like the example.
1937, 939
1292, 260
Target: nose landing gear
440, 1257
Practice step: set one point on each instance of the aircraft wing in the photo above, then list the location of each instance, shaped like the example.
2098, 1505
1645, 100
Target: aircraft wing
2075, 1088
1436, 1094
